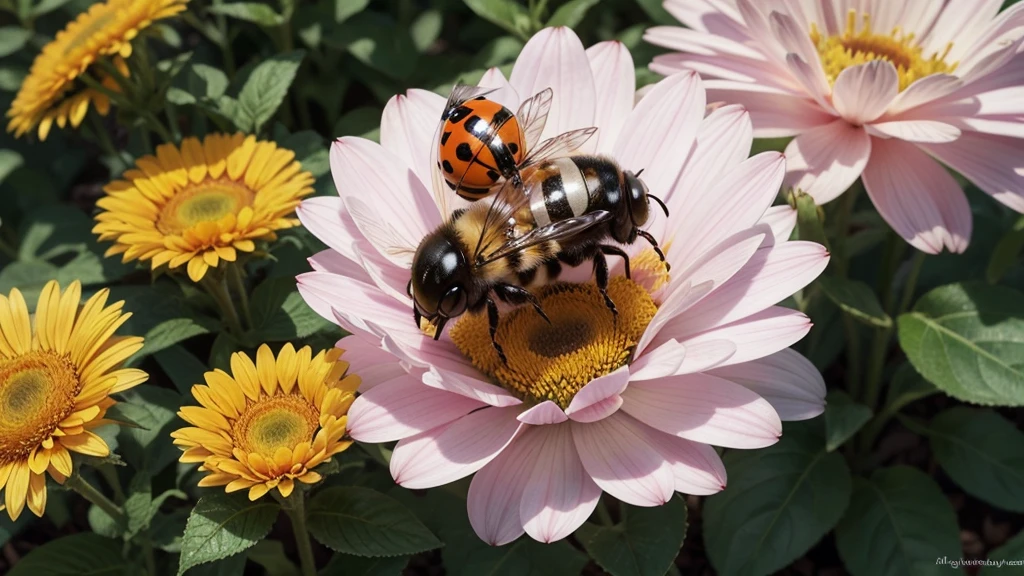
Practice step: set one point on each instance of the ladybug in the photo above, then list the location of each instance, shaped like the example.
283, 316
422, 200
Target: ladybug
481, 142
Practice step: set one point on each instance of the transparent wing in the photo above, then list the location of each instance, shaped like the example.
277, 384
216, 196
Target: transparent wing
463, 92
556, 231
562, 145
444, 197
506, 202
533, 115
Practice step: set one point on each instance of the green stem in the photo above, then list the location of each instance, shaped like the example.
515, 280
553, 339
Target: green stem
604, 514
842, 268
90, 493
218, 289
147, 553
225, 44
156, 125
110, 475
910, 286
116, 97
238, 284
295, 507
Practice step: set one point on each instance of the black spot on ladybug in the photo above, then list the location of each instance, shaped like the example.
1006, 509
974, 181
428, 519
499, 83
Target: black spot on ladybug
493, 175
447, 167
458, 114
480, 98
450, 185
512, 147
477, 125
464, 152
444, 138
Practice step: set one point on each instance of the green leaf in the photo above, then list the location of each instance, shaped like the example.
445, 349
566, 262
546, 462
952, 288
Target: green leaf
182, 367
161, 315
507, 14
843, 418
140, 506
364, 522
809, 218
348, 565
907, 386
344, 9
10, 160
527, 557
376, 40
968, 339
425, 29
1011, 551
47, 6
571, 13
280, 314
254, 12
983, 453
76, 555
1007, 253
898, 524
199, 84
12, 39
855, 298
264, 90
270, 555
230, 566
222, 525
147, 446
309, 150
28, 277
645, 544
657, 12
780, 501
364, 122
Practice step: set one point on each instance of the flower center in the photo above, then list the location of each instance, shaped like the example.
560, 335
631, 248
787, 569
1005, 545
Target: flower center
207, 201
854, 47
37, 391
276, 422
554, 361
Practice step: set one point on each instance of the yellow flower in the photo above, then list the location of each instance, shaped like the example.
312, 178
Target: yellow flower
51, 92
55, 385
268, 424
202, 203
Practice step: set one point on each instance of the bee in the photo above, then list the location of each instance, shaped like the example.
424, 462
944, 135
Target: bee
479, 141
567, 211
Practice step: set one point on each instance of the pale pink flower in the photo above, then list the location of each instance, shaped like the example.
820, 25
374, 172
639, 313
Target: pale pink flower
712, 367
879, 89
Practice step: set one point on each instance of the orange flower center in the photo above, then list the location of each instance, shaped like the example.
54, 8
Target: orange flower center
37, 392
208, 201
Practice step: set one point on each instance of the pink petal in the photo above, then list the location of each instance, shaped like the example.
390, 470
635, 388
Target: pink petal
617, 454
701, 356
408, 127
505, 94
661, 129
469, 387
454, 450
356, 301
927, 131
696, 468
554, 58
773, 274
917, 197
402, 407
704, 409
678, 301
786, 379
994, 163
774, 113
827, 160
782, 220
373, 365
333, 262
496, 492
724, 67
719, 264
706, 17
599, 398
559, 494
924, 91
696, 42
546, 412
756, 336
802, 56
325, 218
862, 93
615, 83
663, 361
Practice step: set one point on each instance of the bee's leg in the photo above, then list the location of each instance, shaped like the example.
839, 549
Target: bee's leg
654, 243
616, 251
601, 277
492, 321
518, 295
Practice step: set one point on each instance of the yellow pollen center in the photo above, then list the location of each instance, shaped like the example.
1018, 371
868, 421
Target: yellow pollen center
554, 361
649, 270
208, 201
854, 47
37, 392
283, 421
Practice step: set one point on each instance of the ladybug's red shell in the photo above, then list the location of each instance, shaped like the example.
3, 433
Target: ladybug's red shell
481, 141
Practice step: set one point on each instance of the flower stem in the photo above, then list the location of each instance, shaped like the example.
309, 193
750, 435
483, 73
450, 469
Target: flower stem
295, 507
238, 283
90, 493
842, 269
218, 289
604, 514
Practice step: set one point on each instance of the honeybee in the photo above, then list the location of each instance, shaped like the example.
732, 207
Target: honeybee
566, 211
479, 141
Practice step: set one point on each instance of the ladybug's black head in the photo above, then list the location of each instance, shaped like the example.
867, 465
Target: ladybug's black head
440, 279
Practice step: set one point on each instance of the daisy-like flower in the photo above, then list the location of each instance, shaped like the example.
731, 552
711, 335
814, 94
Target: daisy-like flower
51, 92
697, 356
873, 89
57, 372
268, 425
202, 203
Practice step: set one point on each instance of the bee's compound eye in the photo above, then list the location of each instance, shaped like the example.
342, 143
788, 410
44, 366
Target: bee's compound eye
454, 302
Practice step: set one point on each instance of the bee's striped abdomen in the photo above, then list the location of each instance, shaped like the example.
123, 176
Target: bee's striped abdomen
558, 191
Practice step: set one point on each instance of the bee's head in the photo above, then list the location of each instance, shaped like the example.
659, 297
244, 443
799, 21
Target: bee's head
440, 279
637, 190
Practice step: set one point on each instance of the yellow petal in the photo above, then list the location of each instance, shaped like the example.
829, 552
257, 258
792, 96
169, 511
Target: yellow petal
266, 367
17, 489
37, 494
286, 486
86, 443
257, 491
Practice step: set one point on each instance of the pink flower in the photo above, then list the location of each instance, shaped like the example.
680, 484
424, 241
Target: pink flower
872, 88
697, 357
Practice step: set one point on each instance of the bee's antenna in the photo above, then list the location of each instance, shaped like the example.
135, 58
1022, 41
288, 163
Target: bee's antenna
641, 171
660, 203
